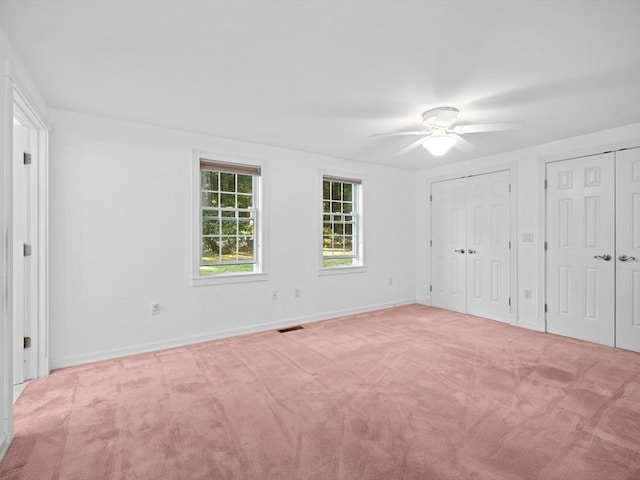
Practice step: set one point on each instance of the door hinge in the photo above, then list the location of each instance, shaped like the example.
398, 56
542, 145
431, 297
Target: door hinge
26, 342
431, 198
509, 244
431, 288
26, 158
509, 188
546, 183
431, 243
546, 308
26, 250
509, 302
546, 245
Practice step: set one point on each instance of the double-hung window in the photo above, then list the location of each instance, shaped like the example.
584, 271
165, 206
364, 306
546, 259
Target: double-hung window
341, 222
229, 218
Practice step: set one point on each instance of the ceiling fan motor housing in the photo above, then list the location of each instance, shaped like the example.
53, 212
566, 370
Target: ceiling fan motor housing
440, 117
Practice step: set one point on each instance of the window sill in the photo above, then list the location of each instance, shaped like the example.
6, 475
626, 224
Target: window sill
322, 272
229, 279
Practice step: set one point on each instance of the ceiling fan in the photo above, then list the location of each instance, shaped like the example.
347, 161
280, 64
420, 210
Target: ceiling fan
440, 134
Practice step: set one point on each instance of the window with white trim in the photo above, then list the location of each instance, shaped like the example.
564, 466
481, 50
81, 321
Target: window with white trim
229, 219
341, 222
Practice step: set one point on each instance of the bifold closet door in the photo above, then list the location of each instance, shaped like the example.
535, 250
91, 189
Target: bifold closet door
470, 250
580, 248
628, 249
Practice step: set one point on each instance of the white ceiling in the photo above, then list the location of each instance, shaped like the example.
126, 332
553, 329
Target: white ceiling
321, 76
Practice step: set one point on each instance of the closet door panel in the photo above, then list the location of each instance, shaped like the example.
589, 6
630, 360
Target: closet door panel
580, 235
488, 209
448, 227
628, 249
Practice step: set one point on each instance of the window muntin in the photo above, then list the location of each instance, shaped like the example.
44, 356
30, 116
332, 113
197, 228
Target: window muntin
340, 222
228, 218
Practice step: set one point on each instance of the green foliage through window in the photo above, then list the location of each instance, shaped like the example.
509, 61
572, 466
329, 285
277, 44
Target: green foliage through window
227, 222
339, 222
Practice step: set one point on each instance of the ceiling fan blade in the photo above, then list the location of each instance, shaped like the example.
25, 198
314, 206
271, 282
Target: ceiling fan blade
462, 144
415, 144
485, 127
390, 134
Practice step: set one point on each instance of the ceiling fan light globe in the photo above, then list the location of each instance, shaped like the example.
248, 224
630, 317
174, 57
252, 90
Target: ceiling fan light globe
439, 145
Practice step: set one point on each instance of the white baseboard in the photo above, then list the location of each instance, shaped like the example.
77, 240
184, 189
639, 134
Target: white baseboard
189, 340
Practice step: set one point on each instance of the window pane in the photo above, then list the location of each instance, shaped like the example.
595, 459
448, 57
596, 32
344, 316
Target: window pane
336, 207
227, 200
208, 180
348, 229
337, 229
348, 243
245, 184
227, 182
336, 191
209, 199
326, 190
245, 227
347, 207
210, 250
229, 227
244, 201
210, 227
245, 248
347, 192
326, 206
229, 248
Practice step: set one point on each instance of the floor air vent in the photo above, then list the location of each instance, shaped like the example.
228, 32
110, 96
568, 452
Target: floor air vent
290, 329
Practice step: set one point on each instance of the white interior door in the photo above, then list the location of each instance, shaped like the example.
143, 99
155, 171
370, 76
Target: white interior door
580, 236
470, 245
448, 254
19, 223
628, 249
488, 214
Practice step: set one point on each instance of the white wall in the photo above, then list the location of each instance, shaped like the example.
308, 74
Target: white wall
528, 165
120, 210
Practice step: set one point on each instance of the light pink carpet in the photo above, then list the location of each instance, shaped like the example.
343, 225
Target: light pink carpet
405, 393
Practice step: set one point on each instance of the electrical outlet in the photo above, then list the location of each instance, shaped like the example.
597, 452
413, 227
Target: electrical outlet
274, 295
297, 293
155, 309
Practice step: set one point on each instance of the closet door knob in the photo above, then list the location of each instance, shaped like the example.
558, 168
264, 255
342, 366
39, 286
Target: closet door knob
472, 251
459, 251
606, 257
625, 258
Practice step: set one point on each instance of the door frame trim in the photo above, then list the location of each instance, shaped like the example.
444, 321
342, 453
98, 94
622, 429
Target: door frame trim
38, 142
10, 83
512, 168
